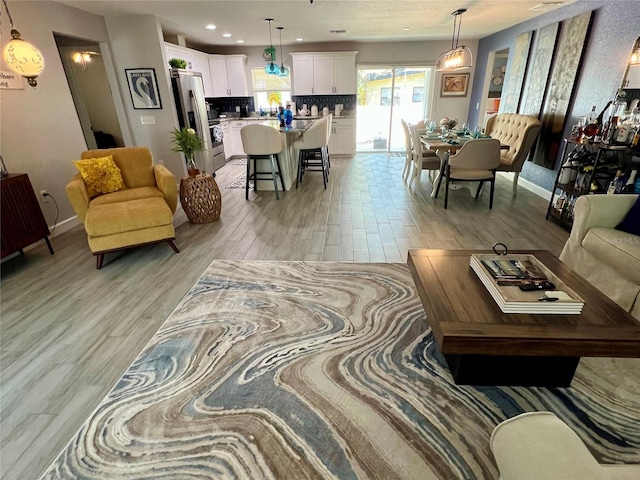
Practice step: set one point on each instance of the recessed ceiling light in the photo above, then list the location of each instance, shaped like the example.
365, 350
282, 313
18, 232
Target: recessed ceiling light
299, 39
226, 35
406, 28
211, 27
239, 41
546, 6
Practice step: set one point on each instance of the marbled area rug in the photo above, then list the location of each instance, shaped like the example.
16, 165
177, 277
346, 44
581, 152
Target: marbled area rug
321, 370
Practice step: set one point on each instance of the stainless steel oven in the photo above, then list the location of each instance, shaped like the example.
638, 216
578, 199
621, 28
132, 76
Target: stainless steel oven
217, 147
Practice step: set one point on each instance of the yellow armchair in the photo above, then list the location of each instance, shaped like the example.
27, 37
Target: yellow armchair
141, 213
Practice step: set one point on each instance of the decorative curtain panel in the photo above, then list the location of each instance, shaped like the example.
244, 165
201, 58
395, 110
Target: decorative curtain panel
515, 74
573, 36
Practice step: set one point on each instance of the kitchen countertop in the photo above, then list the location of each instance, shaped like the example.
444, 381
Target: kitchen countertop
267, 118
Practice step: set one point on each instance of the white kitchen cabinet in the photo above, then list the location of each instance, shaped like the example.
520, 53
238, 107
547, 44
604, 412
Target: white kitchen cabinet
346, 77
633, 77
226, 139
228, 75
324, 73
200, 63
196, 62
302, 75
343, 136
236, 139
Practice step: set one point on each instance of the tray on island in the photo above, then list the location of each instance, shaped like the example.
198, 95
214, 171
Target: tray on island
501, 275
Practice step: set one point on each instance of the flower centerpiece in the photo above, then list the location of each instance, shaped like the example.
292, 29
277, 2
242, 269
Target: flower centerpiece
188, 142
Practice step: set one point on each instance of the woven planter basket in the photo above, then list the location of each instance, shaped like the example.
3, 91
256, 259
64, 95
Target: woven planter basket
200, 198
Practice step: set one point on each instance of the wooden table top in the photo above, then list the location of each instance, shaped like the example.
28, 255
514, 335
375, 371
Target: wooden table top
438, 144
466, 320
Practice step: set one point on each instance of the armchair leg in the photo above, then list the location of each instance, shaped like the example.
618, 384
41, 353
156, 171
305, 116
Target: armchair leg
515, 183
99, 260
173, 245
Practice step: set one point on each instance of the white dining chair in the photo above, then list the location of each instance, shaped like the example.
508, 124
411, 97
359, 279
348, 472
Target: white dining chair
422, 159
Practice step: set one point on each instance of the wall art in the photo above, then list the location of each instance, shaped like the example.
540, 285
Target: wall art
143, 87
516, 71
571, 42
536, 84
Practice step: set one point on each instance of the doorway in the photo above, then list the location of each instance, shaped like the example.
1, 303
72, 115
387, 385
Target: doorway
89, 85
385, 96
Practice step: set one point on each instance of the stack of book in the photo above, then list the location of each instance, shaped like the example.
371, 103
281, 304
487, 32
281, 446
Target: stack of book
502, 276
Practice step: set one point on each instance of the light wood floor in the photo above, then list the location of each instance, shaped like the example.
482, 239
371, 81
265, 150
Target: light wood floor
68, 331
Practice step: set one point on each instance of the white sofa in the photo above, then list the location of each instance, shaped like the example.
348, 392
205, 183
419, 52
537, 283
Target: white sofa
607, 258
540, 446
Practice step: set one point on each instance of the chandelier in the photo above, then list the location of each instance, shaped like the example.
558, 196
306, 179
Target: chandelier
283, 71
269, 54
21, 56
458, 57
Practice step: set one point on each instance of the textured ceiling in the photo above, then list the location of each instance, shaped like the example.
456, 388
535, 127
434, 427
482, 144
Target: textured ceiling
363, 20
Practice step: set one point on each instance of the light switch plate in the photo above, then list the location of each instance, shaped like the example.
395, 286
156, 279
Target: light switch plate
148, 119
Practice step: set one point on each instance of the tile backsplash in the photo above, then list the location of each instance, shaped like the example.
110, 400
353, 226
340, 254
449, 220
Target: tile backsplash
229, 104
322, 101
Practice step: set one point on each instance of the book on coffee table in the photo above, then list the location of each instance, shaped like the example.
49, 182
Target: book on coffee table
502, 274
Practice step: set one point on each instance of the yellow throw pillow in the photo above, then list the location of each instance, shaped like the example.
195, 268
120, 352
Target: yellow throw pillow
101, 175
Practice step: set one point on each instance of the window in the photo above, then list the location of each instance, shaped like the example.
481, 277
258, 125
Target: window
418, 94
270, 90
385, 96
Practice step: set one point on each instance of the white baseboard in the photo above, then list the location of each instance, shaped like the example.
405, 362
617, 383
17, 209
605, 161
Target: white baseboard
524, 183
64, 226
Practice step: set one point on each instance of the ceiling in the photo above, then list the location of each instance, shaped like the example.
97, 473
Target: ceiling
363, 20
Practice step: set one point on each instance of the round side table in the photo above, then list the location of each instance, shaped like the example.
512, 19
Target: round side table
200, 198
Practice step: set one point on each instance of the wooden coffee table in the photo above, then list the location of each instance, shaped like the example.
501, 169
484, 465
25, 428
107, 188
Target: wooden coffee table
484, 346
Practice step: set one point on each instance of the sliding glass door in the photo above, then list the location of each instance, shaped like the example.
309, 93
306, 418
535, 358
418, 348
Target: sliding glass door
385, 96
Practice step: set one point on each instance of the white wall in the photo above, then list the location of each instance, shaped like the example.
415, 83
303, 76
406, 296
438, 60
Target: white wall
136, 42
40, 132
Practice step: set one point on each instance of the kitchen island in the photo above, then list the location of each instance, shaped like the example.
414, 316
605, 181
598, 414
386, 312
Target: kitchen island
288, 159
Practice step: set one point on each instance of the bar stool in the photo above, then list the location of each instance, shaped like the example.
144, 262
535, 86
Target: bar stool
312, 141
260, 143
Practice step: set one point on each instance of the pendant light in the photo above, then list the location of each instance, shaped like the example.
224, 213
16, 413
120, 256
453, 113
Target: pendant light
458, 57
271, 68
21, 56
283, 71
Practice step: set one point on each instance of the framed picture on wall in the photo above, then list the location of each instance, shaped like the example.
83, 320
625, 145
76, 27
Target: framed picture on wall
143, 87
454, 85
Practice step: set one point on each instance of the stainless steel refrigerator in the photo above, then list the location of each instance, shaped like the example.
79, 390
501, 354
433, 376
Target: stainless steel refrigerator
188, 93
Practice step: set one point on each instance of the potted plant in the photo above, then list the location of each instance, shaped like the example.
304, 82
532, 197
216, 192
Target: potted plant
177, 63
188, 142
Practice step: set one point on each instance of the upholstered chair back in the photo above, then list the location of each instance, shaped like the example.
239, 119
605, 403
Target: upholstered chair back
260, 140
478, 154
135, 164
317, 136
517, 131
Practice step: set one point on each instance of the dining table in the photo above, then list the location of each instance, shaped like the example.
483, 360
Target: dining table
443, 149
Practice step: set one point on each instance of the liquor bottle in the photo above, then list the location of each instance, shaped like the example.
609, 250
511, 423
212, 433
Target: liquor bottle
591, 118
613, 185
628, 186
